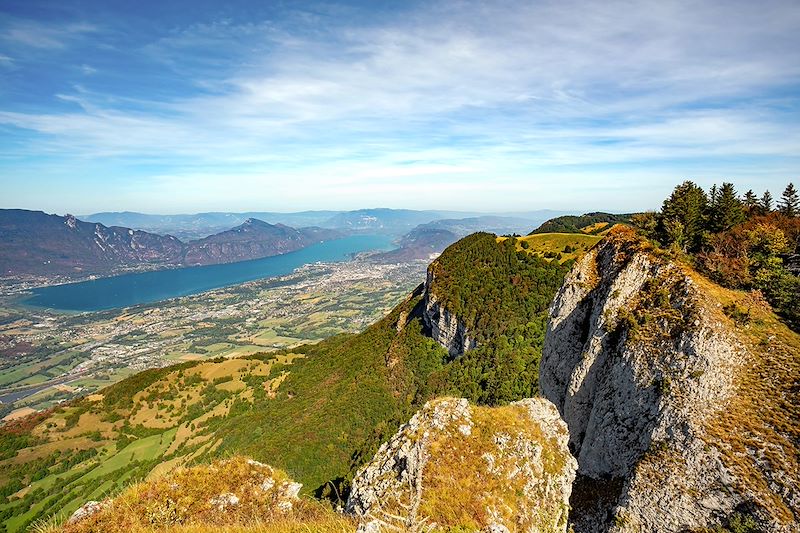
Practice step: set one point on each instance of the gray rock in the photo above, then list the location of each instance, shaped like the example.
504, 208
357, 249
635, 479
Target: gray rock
88, 509
513, 462
636, 398
446, 328
224, 501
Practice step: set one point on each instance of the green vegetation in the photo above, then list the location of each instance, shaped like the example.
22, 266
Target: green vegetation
561, 247
739, 242
578, 224
318, 412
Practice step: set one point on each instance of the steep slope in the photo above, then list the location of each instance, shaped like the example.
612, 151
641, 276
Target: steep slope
318, 413
680, 418
32, 242
482, 288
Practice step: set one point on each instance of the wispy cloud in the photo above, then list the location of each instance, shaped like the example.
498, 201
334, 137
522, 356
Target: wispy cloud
524, 90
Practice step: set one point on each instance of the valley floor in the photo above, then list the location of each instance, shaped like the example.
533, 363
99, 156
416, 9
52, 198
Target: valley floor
47, 358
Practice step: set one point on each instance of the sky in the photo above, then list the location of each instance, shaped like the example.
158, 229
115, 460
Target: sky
189, 106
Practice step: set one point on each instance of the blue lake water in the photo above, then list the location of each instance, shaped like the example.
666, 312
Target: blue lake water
148, 287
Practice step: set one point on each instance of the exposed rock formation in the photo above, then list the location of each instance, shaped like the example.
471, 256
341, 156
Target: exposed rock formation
445, 327
455, 465
641, 363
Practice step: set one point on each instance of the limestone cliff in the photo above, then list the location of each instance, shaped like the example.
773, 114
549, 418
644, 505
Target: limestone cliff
668, 406
459, 467
445, 327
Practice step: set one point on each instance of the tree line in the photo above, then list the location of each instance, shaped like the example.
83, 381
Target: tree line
740, 241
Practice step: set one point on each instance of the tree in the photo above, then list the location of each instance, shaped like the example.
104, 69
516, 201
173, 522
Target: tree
750, 203
682, 218
766, 203
726, 211
789, 204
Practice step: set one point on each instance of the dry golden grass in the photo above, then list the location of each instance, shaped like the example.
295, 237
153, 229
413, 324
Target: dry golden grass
763, 416
183, 501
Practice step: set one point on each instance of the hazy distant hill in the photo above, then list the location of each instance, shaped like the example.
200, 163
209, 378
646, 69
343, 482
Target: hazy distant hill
199, 225
386, 221
254, 238
433, 237
35, 243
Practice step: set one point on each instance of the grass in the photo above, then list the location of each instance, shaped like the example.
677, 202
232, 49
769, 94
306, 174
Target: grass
763, 416
184, 501
551, 245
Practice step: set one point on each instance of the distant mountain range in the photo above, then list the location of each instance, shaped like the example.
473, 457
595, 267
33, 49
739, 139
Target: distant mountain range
199, 225
33, 243
393, 222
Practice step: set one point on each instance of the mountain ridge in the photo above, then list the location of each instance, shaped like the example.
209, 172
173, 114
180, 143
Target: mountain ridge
33, 243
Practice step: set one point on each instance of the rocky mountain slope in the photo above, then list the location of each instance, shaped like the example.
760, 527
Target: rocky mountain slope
36, 244
32, 242
680, 418
680, 399
454, 466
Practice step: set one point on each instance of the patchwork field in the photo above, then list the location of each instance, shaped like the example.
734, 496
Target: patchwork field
47, 358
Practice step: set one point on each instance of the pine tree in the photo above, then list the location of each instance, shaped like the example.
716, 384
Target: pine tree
750, 203
726, 211
790, 202
766, 203
682, 218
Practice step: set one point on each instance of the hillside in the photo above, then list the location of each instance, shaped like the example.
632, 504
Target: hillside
590, 223
33, 243
318, 412
253, 239
680, 396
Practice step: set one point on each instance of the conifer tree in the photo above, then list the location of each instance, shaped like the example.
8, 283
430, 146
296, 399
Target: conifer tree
766, 203
750, 203
789, 204
682, 218
727, 210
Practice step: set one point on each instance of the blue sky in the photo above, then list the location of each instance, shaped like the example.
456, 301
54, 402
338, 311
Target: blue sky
186, 106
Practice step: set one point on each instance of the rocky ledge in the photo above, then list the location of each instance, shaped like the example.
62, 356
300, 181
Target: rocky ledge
445, 327
455, 466
642, 364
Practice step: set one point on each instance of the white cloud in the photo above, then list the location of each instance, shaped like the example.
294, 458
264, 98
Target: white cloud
466, 88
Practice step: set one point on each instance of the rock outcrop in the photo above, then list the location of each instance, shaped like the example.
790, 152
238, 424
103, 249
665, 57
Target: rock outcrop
445, 327
454, 465
642, 363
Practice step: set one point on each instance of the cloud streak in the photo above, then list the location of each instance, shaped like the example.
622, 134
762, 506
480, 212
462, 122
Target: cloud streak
522, 92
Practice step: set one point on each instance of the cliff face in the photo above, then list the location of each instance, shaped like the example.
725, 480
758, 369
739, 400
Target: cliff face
445, 327
454, 466
642, 365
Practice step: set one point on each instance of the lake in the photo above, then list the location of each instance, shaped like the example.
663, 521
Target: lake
147, 287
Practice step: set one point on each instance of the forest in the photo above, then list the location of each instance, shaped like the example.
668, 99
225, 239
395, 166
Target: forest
744, 241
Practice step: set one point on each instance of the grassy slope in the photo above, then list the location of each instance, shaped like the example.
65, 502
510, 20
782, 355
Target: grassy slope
318, 414
578, 224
